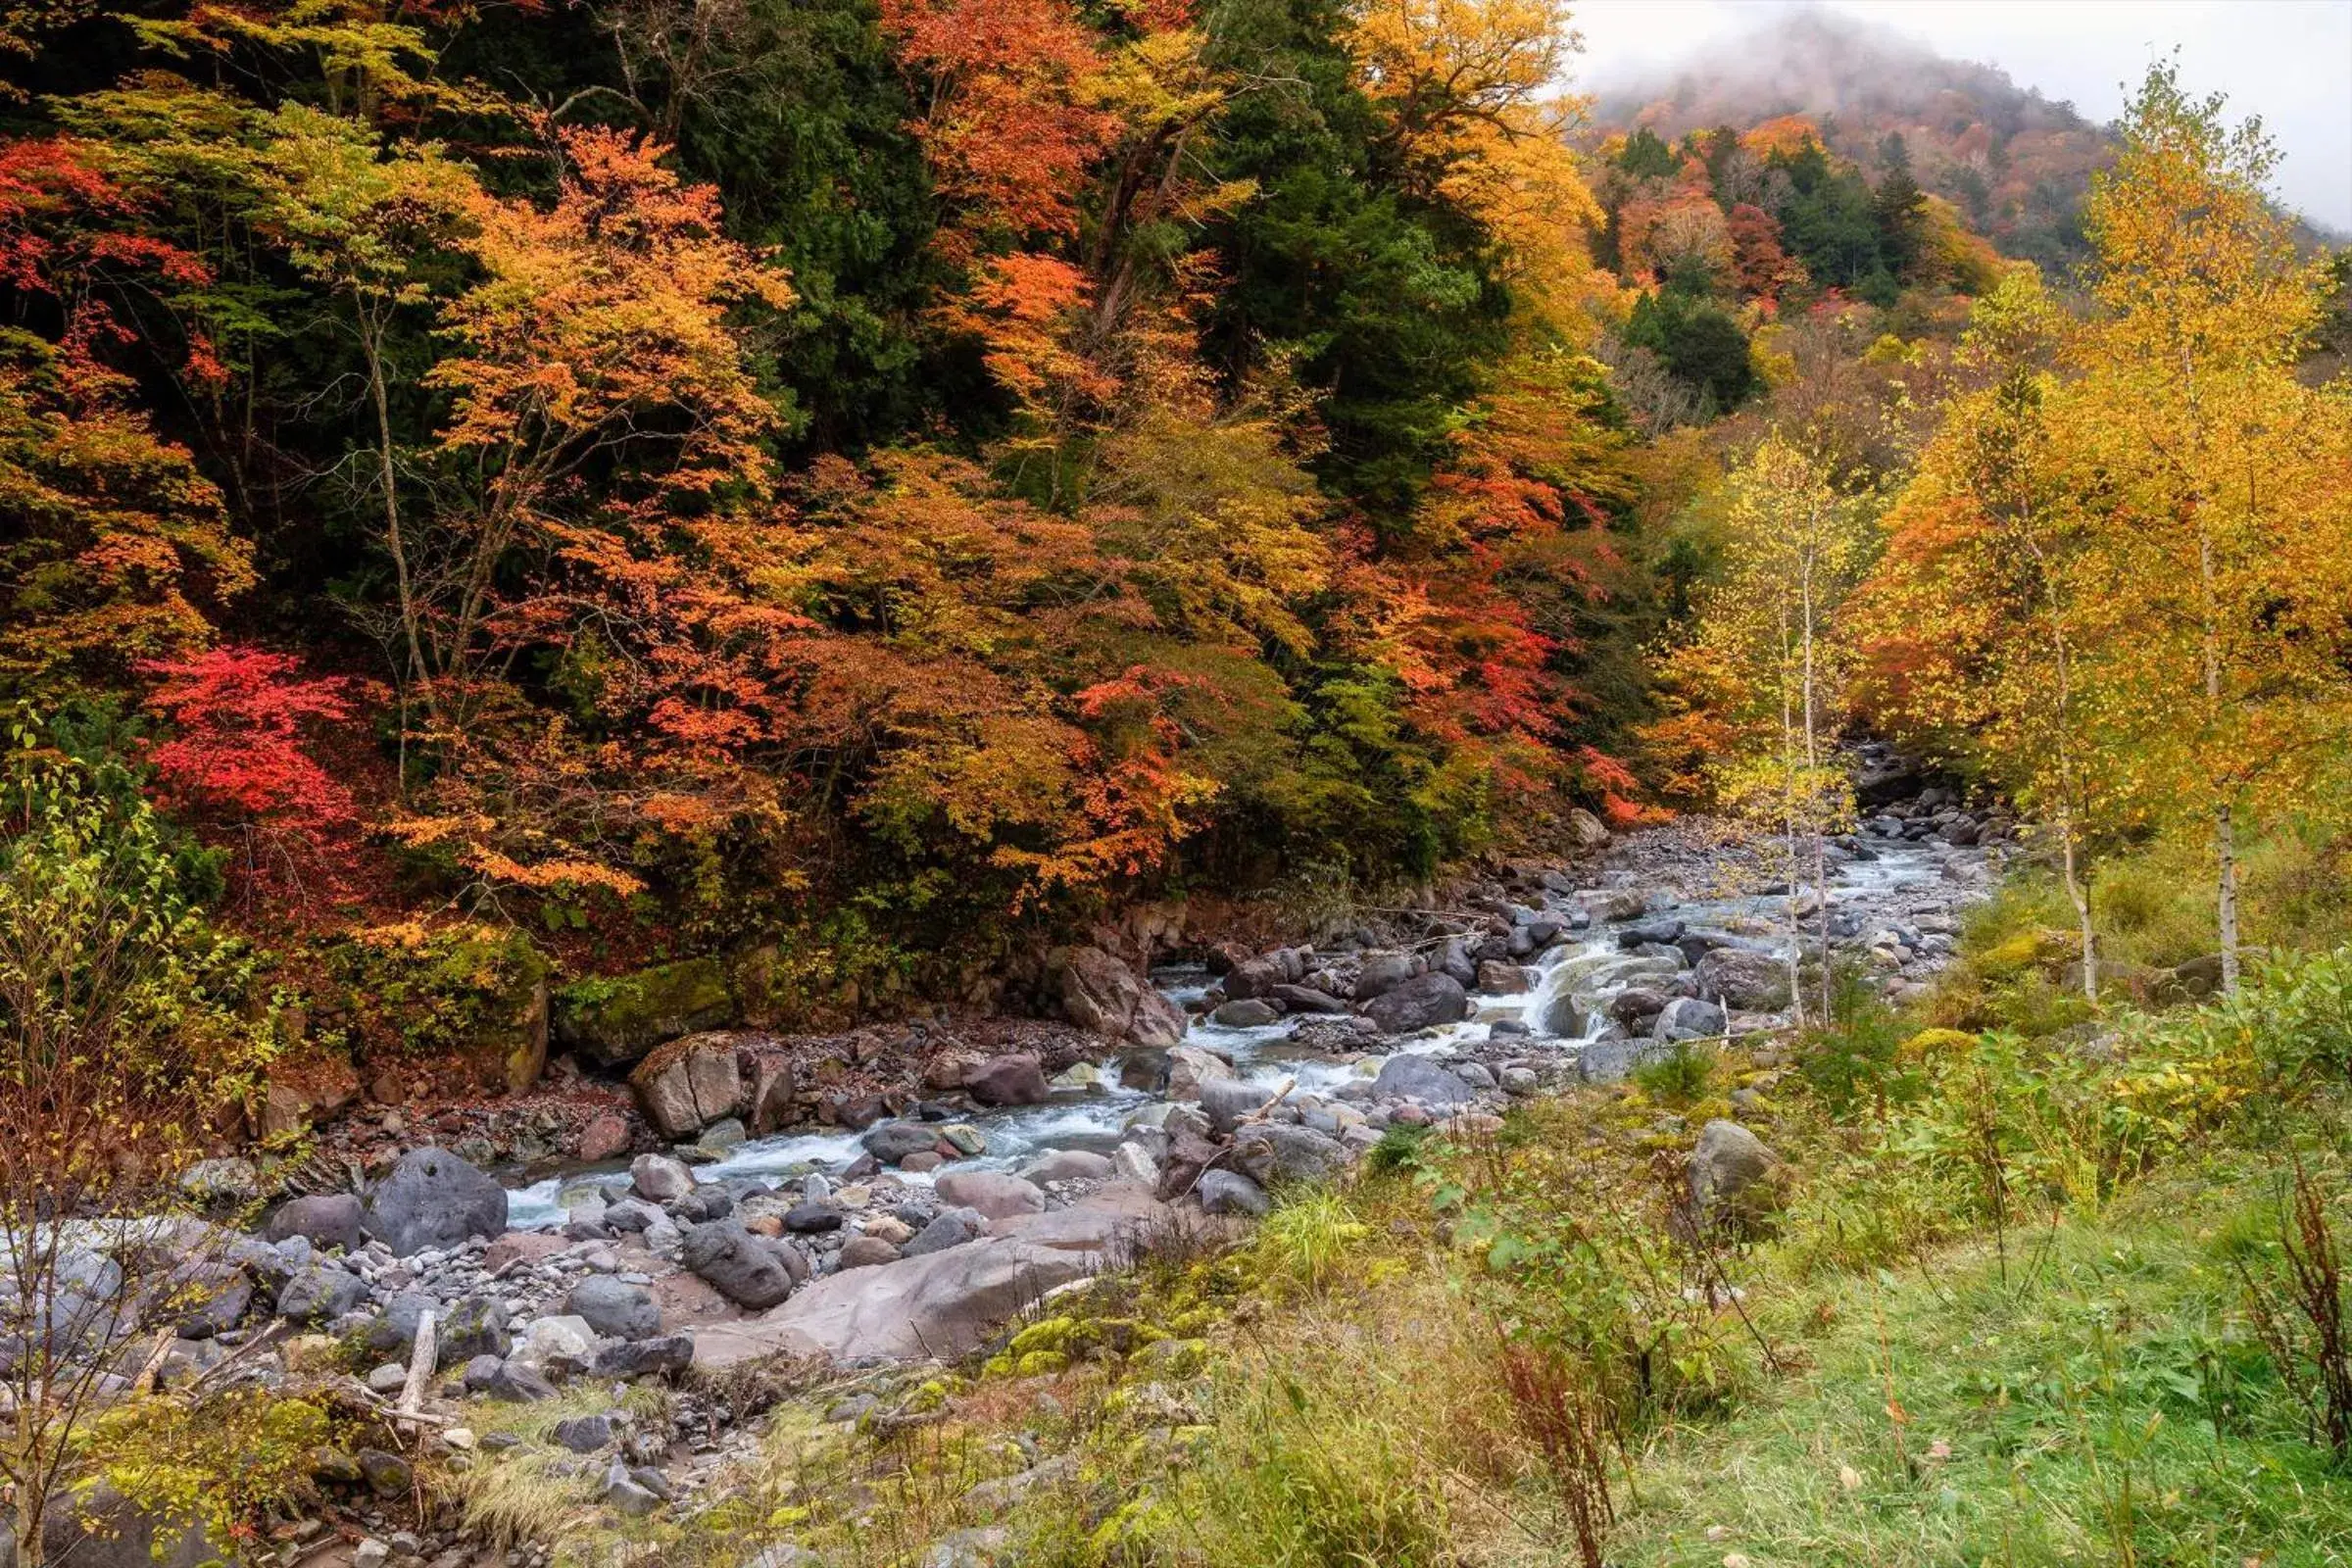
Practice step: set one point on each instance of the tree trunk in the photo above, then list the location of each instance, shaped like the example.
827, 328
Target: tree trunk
2224, 841
2080, 896
1797, 925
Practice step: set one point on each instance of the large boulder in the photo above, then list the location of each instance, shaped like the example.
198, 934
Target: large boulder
432, 1199
1380, 973
1226, 1101
947, 1302
996, 1195
893, 1140
1743, 979
1306, 999
1016, 1078
328, 1219
1406, 1076
1190, 1067
1501, 979
1101, 993
614, 1021
1256, 978
1423, 1001
739, 1265
1273, 1153
1249, 1013
692, 1081
1734, 1175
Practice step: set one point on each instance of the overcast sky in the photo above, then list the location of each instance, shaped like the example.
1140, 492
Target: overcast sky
2289, 61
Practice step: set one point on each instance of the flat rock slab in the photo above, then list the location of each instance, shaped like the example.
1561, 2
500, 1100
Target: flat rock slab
943, 1303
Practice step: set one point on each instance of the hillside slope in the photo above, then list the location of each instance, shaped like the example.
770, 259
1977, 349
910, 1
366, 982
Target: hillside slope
2014, 162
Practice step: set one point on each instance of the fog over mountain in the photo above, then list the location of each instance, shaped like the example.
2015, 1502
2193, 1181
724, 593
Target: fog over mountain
2056, 71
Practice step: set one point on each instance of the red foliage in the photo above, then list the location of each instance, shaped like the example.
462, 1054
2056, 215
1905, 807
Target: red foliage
239, 753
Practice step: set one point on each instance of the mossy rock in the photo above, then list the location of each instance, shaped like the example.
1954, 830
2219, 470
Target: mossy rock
614, 1021
472, 995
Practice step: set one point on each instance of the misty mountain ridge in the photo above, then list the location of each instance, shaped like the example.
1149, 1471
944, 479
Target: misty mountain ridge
2014, 162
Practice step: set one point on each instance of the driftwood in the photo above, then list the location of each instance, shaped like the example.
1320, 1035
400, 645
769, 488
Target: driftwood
422, 1360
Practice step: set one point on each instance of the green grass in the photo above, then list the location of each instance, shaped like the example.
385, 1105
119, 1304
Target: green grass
2096, 1396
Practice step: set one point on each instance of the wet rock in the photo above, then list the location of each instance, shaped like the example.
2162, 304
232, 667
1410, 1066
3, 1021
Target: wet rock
811, 1219
1188, 1067
1068, 1165
603, 1137
1636, 1004
1101, 993
1225, 1192
893, 1140
1379, 973
736, 1263
1406, 1076
1248, 1013
659, 1179
1421, 1003
1502, 979
995, 1194
433, 1199
615, 1308
1013, 1079
330, 1220
1254, 978
1306, 999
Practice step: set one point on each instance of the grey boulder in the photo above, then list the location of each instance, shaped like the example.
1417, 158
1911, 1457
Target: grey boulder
1406, 1076
1277, 1153
330, 1220
433, 1199
1420, 1003
737, 1264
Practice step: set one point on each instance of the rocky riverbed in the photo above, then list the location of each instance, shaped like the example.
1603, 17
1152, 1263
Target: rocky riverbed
1009, 1174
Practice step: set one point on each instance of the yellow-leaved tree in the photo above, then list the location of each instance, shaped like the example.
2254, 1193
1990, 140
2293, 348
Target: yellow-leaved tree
1970, 630
2219, 597
1769, 662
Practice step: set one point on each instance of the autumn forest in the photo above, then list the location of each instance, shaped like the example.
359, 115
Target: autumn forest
861, 492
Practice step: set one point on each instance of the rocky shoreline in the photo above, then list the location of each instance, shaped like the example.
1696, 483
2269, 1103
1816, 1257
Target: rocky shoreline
896, 1195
